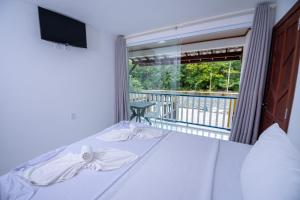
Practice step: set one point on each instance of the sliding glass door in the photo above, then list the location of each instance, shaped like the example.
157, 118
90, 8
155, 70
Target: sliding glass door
154, 74
174, 85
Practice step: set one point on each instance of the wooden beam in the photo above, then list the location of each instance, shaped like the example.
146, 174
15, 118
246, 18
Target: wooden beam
190, 59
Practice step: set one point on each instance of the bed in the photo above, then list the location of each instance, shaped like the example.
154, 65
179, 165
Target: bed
175, 166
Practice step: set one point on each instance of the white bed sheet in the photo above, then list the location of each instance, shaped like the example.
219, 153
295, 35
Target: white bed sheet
227, 184
178, 166
89, 184
184, 167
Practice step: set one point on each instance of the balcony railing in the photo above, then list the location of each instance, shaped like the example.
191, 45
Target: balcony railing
208, 111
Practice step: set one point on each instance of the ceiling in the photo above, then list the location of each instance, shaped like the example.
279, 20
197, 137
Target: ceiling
134, 16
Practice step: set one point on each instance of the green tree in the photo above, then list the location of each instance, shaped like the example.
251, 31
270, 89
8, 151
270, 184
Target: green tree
207, 76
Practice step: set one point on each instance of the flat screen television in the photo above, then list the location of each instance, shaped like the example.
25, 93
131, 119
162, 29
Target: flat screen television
58, 28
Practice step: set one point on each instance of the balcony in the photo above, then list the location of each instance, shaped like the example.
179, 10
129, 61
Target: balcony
209, 116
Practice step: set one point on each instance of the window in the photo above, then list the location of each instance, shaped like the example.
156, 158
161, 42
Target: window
178, 87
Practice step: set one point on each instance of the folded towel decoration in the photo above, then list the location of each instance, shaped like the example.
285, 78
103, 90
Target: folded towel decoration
87, 153
149, 133
131, 132
66, 166
57, 170
110, 159
117, 135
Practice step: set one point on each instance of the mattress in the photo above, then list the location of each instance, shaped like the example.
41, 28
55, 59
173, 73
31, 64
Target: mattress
176, 166
89, 184
185, 167
227, 174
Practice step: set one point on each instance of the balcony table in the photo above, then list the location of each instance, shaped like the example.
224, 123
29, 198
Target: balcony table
138, 109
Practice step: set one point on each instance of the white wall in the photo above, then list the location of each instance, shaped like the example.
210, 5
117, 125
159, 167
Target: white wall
41, 85
294, 125
283, 7
213, 25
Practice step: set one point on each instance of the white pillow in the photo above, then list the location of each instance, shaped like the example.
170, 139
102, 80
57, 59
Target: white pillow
271, 170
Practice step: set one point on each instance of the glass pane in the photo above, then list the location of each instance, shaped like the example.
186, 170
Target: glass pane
174, 86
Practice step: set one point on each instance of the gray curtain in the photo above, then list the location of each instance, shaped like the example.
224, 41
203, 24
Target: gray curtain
246, 120
121, 80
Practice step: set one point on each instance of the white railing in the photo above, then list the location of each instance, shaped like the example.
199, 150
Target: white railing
209, 111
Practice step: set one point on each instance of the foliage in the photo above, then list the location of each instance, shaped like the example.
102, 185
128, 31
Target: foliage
200, 76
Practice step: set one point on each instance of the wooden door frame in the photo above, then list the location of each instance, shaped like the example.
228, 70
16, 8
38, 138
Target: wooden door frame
294, 9
287, 16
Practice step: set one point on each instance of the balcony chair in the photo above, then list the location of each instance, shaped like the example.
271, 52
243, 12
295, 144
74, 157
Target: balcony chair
156, 114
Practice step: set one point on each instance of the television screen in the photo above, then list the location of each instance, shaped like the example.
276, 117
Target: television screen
61, 29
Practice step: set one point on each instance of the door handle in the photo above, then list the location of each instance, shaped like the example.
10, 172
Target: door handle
286, 113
